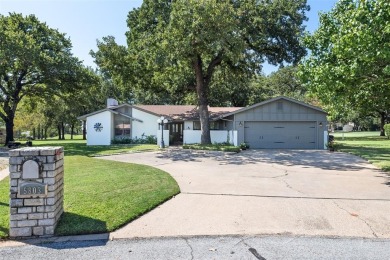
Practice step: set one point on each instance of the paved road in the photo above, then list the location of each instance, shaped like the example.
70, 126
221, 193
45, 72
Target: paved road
313, 193
223, 247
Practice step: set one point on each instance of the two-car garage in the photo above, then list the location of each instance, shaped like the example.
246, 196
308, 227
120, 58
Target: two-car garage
280, 135
281, 123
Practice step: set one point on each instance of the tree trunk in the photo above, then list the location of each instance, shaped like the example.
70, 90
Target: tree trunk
383, 122
84, 130
34, 136
202, 93
63, 131
59, 131
71, 131
9, 130
39, 131
45, 133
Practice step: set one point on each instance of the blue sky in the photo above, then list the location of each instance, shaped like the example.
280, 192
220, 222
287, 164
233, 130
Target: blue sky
85, 21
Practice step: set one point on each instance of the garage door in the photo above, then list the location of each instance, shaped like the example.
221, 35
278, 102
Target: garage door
281, 135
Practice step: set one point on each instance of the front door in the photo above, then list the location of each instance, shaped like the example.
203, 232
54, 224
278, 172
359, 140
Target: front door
176, 133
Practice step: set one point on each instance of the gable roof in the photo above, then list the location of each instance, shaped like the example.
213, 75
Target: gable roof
165, 110
173, 112
109, 109
273, 100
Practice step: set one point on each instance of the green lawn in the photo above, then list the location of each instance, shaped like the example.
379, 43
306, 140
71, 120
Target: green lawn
100, 195
79, 147
368, 145
4, 207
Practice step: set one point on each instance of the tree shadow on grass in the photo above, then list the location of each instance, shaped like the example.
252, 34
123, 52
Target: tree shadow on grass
74, 224
81, 149
72, 149
71, 224
4, 230
4, 204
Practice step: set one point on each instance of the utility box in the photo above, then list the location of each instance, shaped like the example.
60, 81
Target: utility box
36, 190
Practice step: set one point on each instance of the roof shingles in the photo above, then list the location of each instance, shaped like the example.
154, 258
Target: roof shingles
186, 112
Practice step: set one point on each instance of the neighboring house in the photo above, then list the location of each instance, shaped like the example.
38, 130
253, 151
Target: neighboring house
278, 123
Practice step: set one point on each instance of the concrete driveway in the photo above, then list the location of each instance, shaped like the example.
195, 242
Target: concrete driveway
266, 192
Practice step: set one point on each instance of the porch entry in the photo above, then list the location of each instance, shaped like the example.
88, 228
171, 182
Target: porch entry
175, 133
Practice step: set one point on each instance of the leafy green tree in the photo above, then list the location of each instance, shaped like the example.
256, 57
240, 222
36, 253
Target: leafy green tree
35, 60
348, 68
185, 46
283, 82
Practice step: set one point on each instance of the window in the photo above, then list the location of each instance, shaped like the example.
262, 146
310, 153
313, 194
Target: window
122, 126
213, 125
196, 125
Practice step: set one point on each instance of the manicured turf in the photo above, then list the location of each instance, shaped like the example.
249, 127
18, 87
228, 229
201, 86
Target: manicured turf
79, 147
368, 145
4, 207
100, 195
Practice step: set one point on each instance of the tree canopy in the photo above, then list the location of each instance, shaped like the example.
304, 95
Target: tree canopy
35, 60
349, 66
188, 48
283, 82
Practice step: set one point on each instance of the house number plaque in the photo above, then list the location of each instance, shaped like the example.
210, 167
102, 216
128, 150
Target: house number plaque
32, 189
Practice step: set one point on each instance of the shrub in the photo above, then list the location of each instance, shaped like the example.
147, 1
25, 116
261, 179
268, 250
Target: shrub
235, 149
387, 130
244, 146
213, 147
145, 139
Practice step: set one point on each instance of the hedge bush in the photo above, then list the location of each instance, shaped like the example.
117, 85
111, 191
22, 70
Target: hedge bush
213, 147
145, 139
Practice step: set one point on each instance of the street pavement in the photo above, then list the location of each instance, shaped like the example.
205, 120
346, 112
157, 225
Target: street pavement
220, 247
309, 193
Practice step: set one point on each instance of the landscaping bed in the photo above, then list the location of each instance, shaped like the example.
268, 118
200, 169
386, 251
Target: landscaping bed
213, 147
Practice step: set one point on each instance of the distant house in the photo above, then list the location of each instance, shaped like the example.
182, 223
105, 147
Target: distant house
278, 123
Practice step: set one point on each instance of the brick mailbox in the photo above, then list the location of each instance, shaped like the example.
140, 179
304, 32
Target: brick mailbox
36, 190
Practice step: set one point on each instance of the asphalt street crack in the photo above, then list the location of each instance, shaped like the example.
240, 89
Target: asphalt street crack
256, 254
250, 249
357, 216
189, 245
288, 185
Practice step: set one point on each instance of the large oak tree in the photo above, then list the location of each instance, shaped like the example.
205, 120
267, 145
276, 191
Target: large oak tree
181, 45
35, 60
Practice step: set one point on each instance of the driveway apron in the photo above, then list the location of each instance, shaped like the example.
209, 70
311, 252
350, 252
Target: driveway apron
254, 192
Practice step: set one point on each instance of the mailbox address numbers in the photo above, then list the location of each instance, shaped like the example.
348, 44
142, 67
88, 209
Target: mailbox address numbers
32, 188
